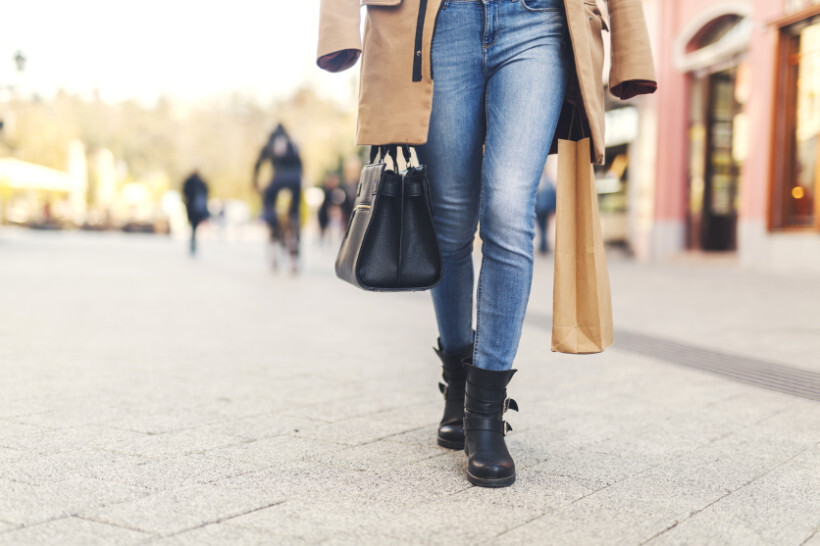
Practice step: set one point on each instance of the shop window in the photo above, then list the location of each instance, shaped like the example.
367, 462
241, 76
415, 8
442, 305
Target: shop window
797, 146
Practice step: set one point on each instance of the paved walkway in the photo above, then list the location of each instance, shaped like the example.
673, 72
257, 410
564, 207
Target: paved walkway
150, 398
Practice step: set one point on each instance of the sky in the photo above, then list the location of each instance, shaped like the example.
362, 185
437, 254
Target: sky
187, 50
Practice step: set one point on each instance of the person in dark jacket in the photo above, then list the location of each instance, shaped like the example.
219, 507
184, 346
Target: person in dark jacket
283, 155
335, 204
195, 192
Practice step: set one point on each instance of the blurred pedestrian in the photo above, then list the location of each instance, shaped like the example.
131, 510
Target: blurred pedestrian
195, 192
333, 207
504, 73
544, 209
283, 156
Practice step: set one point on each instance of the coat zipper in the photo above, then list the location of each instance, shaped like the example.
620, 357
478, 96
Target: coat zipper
417, 55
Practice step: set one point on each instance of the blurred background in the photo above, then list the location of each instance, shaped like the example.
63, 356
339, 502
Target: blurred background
105, 111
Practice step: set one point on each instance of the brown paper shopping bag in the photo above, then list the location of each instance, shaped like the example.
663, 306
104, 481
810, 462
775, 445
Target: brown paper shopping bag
582, 304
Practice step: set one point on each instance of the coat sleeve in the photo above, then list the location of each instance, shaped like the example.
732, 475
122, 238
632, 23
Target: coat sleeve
633, 69
340, 43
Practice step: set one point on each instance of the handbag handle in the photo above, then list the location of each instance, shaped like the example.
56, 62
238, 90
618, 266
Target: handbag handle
381, 153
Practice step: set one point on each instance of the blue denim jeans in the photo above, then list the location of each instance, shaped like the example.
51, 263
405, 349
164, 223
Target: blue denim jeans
500, 73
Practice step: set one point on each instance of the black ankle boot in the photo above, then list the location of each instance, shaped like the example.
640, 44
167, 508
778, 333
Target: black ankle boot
451, 429
489, 463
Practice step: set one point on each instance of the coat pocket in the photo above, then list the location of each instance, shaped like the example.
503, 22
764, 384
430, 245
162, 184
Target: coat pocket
595, 11
381, 2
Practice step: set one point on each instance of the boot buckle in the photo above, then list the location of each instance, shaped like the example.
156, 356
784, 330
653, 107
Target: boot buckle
443, 388
507, 428
510, 404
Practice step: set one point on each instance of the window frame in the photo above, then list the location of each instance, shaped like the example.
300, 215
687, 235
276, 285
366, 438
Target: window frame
784, 121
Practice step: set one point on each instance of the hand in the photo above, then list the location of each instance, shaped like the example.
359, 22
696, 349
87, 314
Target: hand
339, 60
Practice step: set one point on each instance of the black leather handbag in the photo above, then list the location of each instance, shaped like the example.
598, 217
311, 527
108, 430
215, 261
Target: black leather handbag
390, 244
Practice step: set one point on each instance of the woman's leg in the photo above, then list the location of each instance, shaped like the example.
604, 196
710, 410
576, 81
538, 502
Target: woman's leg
527, 74
526, 83
453, 159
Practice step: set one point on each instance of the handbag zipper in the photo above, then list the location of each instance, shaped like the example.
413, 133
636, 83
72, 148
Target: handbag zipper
417, 55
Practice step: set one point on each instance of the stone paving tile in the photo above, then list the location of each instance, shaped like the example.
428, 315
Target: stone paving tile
527, 448
799, 423
5, 526
235, 407
26, 504
90, 436
688, 484
358, 430
73, 531
8, 455
596, 469
669, 438
314, 519
74, 416
360, 538
293, 479
11, 408
587, 524
490, 513
342, 408
221, 534
425, 436
169, 512
586, 427
813, 539
403, 485
169, 444
263, 426
780, 507
158, 423
278, 450
27, 438
175, 472
66, 466
379, 455
416, 415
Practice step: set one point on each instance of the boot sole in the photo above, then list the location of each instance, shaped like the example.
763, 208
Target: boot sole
449, 444
491, 482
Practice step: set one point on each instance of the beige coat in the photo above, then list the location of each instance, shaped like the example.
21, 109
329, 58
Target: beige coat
396, 90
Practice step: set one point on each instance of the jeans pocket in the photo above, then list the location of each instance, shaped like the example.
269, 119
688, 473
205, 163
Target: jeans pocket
543, 5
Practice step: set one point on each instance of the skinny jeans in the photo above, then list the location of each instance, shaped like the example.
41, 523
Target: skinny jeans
500, 75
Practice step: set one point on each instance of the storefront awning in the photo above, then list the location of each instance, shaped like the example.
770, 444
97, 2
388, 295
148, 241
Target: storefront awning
18, 174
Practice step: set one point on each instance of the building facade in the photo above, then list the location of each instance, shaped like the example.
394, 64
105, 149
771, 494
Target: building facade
725, 155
